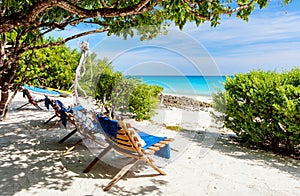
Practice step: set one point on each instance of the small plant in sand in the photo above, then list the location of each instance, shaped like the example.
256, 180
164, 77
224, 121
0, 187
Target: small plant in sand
175, 128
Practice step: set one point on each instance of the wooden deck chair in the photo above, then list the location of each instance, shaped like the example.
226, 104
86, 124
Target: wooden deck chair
87, 127
64, 114
31, 100
128, 143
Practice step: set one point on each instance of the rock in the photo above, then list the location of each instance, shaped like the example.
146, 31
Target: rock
183, 102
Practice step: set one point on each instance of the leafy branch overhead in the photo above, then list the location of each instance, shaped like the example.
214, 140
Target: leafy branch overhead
47, 14
25, 22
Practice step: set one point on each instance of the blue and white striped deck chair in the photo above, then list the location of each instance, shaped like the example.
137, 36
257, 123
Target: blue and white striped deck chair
27, 90
31, 100
137, 145
64, 114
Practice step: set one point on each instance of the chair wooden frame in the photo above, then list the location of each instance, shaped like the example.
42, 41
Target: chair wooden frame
69, 117
128, 144
31, 100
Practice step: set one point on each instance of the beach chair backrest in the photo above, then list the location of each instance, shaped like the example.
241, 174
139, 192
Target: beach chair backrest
55, 107
29, 96
118, 134
31, 99
61, 111
128, 140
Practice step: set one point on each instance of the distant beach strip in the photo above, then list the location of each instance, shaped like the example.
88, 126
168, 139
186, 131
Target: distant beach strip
186, 85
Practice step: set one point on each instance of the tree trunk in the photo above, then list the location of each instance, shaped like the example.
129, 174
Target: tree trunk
4, 94
8, 102
3, 101
5, 85
275, 143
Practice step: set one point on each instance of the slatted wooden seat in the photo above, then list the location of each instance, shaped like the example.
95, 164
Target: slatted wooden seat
128, 143
31, 100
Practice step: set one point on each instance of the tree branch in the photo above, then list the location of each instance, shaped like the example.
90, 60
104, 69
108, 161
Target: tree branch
240, 7
104, 4
66, 39
61, 25
21, 20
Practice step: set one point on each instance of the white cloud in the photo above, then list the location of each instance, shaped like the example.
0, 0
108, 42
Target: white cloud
270, 41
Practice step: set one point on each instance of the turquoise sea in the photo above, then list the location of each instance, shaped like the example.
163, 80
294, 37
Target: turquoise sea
187, 85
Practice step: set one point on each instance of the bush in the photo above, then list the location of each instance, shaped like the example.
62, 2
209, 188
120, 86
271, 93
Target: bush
143, 101
126, 95
263, 107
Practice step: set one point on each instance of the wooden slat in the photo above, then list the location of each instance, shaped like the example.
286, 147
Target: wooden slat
122, 137
121, 131
164, 142
124, 142
159, 145
149, 151
130, 133
135, 138
126, 147
154, 148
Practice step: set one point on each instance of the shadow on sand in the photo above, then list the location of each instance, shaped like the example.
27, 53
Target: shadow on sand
228, 145
32, 158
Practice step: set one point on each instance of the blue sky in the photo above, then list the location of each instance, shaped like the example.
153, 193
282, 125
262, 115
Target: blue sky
270, 40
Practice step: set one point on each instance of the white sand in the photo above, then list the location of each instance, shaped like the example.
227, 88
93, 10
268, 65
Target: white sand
204, 163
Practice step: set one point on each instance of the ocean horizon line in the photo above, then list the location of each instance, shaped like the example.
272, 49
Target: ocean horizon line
186, 85
181, 75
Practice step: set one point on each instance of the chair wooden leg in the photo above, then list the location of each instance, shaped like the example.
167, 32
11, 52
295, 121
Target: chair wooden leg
49, 119
67, 136
22, 106
150, 163
53, 125
73, 147
97, 159
120, 174
37, 106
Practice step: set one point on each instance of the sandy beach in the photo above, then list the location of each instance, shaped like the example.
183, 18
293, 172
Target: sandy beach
205, 160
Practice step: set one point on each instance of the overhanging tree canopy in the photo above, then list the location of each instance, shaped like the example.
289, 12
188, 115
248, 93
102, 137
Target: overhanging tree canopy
23, 23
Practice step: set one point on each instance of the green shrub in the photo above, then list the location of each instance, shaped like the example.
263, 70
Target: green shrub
126, 95
288, 107
143, 100
263, 107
